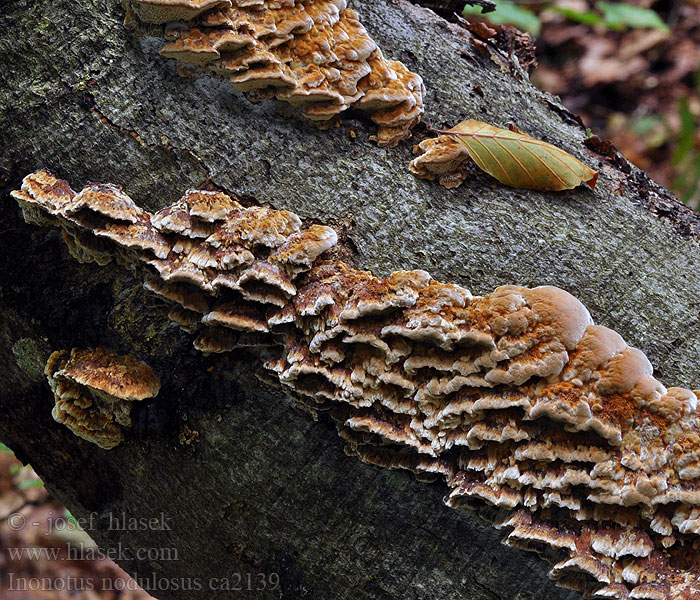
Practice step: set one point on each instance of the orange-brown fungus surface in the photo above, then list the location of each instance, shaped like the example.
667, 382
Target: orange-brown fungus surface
515, 399
94, 389
313, 54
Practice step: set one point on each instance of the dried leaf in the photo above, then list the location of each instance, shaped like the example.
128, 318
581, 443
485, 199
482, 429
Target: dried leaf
519, 160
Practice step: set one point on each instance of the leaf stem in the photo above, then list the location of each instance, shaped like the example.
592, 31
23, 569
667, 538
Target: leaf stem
442, 131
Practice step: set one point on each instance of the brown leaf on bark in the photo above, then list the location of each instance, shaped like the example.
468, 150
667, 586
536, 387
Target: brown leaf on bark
519, 160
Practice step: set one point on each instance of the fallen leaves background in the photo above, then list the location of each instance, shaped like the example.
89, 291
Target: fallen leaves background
636, 85
47, 529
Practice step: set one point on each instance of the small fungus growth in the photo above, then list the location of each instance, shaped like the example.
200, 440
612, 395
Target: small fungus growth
313, 54
516, 399
442, 158
94, 390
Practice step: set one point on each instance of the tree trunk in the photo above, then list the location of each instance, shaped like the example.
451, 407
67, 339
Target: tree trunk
263, 490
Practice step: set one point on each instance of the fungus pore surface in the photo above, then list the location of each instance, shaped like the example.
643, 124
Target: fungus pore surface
515, 399
313, 54
93, 390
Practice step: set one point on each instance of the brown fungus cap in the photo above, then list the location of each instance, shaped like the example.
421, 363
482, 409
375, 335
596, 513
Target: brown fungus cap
107, 200
442, 158
135, 236
241, 317
177, 218
255, 226
201, 48
209, 206
44, 189
300, 250
162, 11
263, 274
110, 374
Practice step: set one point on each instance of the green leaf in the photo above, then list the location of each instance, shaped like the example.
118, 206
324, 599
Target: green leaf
32, 483
587, 17
4, 449
618, 15
686, 182
644, 125
686, 158
68, 516
687, 134
519, 160
509, 13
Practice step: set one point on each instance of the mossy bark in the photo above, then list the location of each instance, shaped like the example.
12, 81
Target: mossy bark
262, 488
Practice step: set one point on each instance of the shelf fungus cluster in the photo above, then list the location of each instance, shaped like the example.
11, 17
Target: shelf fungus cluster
442, 158
313, 54
94, 390
516, 399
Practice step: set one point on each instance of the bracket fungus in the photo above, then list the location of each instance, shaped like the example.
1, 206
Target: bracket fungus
93, 390
516, 399
442, 158
313, 54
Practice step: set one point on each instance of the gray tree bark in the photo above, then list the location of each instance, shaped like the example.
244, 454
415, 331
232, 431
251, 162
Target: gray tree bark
264, 489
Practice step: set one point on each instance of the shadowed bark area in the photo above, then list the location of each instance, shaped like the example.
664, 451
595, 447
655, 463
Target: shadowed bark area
264, 489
